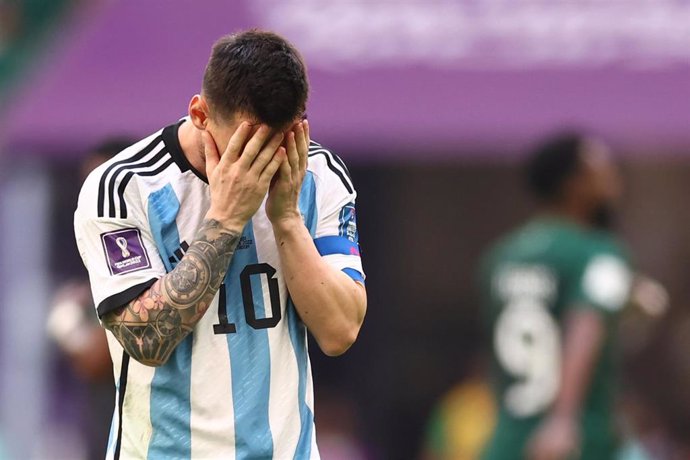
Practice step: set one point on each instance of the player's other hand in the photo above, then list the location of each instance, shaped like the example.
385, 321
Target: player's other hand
557, 438
239, 179
282, 206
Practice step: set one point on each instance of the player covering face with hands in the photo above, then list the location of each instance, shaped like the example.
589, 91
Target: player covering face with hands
256, 161
213, 245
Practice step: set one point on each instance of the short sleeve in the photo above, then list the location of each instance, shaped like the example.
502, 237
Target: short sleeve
119, 254
336, 236
602, 281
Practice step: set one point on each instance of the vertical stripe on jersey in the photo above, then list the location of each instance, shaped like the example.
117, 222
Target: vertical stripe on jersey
109, 451
114, 424
121, 392
298, 332
307, 202
250, 360
213, 417
163, 208
170, 387
117, 370
298, 336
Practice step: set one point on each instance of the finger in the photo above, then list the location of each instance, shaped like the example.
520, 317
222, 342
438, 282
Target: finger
285, 170
271, 168
301, 136
305, 123
267, 153
236, 144
304, 155
292, 152
254, 146
210, 153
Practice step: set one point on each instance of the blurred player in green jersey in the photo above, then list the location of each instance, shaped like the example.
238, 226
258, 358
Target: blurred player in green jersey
552, 290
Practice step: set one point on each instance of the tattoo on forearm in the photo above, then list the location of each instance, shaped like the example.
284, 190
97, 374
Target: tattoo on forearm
152, 325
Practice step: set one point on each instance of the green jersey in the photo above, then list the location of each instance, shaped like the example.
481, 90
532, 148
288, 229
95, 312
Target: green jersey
530, 280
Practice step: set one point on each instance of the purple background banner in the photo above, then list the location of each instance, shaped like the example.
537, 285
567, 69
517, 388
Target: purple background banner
130, 67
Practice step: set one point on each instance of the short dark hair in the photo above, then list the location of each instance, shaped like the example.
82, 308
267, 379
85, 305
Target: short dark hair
552, 163
258, 73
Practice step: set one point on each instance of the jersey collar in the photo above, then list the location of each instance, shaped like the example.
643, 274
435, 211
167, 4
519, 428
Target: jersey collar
172, 142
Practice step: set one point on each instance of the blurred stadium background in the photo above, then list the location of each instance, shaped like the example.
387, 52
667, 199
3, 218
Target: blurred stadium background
431, 103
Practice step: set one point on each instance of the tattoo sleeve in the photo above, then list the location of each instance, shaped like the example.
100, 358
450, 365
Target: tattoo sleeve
152, 325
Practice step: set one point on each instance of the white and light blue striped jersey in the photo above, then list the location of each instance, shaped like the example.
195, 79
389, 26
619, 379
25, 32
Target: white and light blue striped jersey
240, 385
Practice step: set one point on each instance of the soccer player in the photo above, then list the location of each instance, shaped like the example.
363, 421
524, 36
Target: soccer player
212, 246
552, 290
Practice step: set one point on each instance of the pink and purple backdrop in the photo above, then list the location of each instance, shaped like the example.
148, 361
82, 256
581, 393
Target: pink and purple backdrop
406, 79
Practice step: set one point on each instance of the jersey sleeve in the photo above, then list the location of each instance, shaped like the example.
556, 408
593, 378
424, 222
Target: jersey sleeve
601, 281
336, 236
119, 253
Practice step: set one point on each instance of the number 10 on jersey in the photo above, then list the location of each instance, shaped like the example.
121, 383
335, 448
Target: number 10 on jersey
224, 326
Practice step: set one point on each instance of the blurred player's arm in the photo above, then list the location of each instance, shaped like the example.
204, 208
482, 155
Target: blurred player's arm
151, 326
330, 303
585, 333
558, 436
601, 288
77, 333
92, 361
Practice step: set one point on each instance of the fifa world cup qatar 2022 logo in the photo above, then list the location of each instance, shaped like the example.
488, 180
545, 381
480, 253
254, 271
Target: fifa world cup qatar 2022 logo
122, 244
125, 251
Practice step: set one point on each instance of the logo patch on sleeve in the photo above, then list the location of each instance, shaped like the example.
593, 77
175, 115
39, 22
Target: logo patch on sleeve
125, 251
348, 223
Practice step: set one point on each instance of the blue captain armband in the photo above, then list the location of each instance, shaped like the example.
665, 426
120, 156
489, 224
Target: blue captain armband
328, 245
339, 245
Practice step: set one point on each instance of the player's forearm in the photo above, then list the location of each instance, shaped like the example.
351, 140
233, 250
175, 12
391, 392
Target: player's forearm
329, 302
151, 326
584, 335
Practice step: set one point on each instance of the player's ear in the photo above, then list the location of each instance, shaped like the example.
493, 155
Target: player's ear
198, 111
